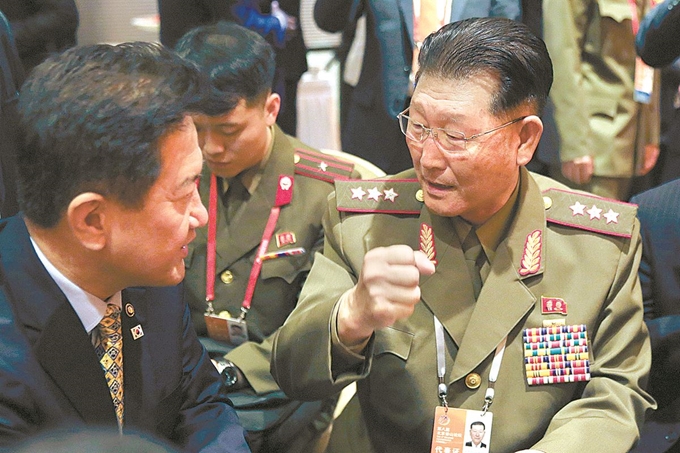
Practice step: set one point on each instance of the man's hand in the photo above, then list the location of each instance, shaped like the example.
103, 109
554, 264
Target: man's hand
387, 291
579, 170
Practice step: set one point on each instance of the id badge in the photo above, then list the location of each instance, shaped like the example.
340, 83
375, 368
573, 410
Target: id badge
461, 431
644, 82
228, 329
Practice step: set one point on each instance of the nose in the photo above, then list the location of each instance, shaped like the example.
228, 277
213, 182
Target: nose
209, 143
430, 154
198, 216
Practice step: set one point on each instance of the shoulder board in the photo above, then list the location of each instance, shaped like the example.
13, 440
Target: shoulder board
393, 196
589, 212
318, 165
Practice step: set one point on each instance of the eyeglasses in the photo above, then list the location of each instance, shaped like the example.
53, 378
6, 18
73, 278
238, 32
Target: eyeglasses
451, 142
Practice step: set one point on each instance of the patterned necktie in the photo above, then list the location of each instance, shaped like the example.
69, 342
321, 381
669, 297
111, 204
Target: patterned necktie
109, 349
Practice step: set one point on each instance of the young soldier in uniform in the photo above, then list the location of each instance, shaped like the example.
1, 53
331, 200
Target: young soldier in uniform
269, 192
433, 289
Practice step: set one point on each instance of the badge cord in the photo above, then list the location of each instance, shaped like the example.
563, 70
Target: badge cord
442, 387
212, 244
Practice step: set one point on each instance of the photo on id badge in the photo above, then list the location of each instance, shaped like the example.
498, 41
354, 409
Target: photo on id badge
461, 431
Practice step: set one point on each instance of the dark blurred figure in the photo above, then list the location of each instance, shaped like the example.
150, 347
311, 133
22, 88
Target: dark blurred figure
41, 27
658, 43
659, 214
11, 78
263, 16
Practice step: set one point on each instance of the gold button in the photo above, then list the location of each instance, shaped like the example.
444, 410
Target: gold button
227, 277
296, 158
473, 381
547, 202
419, 195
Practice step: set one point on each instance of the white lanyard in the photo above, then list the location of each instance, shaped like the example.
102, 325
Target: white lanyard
442, 387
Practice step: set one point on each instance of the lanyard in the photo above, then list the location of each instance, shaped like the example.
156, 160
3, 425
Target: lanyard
284, 195
634, 18
442, 388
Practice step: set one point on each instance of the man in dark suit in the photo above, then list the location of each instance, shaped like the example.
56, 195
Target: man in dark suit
659, 214
107, 183
371, 130
262, 16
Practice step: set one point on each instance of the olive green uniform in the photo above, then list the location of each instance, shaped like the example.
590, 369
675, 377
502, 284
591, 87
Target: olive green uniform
587, 259
237, 242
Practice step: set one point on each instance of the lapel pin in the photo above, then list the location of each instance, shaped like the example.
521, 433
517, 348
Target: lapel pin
137, 332
129, 310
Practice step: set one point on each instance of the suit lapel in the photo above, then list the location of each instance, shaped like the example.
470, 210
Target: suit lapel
406, 12
64, 350
253, 218
133, 315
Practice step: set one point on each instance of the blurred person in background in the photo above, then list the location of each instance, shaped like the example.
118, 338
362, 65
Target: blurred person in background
606, 102
41, 27
395, 30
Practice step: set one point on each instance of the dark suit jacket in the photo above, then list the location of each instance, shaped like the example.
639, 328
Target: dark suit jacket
659, 214
50, 376
469, 444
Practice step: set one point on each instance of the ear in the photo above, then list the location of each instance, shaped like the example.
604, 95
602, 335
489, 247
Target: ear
271, 108
86, 218
529, 135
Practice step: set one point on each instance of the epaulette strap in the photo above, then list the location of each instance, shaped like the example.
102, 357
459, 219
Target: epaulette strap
589, 212
393, 196
321, 166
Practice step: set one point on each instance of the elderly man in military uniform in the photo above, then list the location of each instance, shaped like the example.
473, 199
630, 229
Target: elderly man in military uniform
266, 193
432, 292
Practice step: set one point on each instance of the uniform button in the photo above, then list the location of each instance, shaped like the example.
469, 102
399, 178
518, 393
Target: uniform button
296, 158
227, 277
419, 195
407, 69
547, 202
473, 381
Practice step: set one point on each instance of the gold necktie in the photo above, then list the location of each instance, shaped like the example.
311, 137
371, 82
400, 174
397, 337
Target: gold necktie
109, 349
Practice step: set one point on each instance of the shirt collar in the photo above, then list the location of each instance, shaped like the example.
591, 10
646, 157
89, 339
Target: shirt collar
89, 308
251, 177
491, 232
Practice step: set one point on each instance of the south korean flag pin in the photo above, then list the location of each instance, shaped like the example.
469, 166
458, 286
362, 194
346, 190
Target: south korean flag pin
137, 332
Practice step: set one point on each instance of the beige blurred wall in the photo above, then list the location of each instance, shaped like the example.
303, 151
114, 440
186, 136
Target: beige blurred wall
110, 21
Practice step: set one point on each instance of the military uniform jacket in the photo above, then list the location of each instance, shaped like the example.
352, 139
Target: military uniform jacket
280, 280
593, 270
591, 43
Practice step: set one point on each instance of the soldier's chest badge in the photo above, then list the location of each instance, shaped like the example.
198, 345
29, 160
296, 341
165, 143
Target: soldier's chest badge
285, 238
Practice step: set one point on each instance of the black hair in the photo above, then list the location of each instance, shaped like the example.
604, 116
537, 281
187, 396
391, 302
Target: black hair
239, 63
503, 48
91, 119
